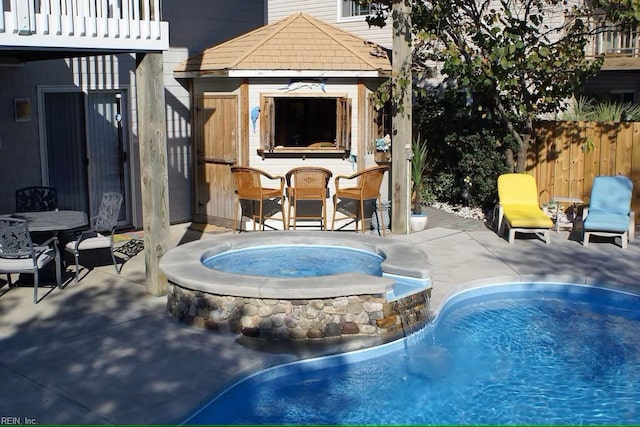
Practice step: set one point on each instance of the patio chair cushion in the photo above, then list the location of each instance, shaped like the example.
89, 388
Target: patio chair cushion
20, 265
97, 242
607, 221
526, 216
611, 194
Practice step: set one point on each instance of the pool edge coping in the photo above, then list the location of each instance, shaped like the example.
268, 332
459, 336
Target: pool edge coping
182, 268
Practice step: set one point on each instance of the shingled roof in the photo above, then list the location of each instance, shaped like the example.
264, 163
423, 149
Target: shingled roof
298, 43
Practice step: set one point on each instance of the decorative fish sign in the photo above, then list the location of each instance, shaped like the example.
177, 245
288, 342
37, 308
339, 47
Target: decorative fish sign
309, 84
255, 113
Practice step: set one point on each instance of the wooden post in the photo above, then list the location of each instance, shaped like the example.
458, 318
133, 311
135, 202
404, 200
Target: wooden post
152, 139
401, 116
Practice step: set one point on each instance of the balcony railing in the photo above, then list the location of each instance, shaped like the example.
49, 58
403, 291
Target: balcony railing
616, 42
131, 25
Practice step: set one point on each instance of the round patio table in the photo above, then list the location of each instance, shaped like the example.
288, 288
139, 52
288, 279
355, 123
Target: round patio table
53, 221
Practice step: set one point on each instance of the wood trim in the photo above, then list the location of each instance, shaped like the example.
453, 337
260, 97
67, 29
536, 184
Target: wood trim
192, 142
267, 123
362, 125
244, 123
302, 154
343, 125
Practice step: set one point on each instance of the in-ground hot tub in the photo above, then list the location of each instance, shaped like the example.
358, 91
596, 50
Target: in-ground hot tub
285, 285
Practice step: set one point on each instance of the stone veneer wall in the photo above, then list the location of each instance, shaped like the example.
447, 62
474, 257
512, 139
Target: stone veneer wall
282, 320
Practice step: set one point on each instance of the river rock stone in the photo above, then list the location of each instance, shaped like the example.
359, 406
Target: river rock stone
318, 304
298, 333
250, 310
350, 328
315, 333
332, 330
265, 323
354, 308
368, 329
247, 322
265, 311
340, 302
371, 307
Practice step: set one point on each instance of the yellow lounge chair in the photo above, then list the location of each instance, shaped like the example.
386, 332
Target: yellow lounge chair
518, 206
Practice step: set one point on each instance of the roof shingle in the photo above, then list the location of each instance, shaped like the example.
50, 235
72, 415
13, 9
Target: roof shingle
298, 42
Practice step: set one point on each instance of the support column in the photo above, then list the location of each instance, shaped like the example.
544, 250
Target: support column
402, 87
152, 138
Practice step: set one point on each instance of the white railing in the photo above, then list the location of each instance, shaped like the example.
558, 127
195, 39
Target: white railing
616, 42
119, 24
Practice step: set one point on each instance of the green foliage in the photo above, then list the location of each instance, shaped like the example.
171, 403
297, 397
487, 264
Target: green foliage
589, 109
462, 143
581, 109
616, 112
419, 163
514, 56
502, 64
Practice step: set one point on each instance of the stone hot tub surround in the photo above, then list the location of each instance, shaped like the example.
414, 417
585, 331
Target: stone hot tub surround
277, 308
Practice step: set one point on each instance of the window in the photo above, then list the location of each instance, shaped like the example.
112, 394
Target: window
353, 8
305, 124
626, 97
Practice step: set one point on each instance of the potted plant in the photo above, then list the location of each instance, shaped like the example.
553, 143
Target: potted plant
418, 167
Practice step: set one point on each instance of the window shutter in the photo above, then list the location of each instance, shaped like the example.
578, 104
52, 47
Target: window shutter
267, 123
376, 127
343, 126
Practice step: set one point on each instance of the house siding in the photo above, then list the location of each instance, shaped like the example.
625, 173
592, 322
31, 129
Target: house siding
193, 28
327, 11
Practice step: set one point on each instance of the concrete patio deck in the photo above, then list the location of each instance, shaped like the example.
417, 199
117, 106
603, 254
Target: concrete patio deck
102, 351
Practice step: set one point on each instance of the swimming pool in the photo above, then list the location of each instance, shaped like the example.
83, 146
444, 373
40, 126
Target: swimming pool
504, 354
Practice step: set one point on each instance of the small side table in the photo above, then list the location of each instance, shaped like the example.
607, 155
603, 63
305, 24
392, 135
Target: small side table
561, 199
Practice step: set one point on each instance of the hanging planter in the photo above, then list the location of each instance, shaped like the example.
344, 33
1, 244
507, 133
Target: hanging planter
382, 157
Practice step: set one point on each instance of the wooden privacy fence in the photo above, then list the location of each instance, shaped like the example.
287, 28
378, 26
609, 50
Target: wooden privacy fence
566, 156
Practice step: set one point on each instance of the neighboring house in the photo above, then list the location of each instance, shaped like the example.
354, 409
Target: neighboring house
618, 80
292, 93
619, 77
72, 71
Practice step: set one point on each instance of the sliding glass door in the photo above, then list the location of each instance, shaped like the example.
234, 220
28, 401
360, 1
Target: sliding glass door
86, 148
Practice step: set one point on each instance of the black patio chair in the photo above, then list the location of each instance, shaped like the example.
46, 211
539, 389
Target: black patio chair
36, 199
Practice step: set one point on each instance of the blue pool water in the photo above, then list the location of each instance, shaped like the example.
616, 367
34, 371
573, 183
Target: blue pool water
296, 261
507, 354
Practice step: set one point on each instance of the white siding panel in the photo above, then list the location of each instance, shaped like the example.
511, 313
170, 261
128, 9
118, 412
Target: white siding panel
321, 9
327, 11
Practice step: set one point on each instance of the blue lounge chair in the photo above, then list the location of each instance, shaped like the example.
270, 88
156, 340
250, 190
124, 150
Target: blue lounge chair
609, 212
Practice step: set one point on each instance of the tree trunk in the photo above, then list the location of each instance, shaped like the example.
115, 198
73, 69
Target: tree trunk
521, 160
508, 154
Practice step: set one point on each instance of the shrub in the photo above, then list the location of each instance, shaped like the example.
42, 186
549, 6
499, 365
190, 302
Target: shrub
463, 144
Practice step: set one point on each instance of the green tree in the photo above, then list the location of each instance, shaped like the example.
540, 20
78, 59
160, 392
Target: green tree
517, 58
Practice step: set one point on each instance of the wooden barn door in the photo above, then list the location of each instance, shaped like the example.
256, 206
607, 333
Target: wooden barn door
216, 143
